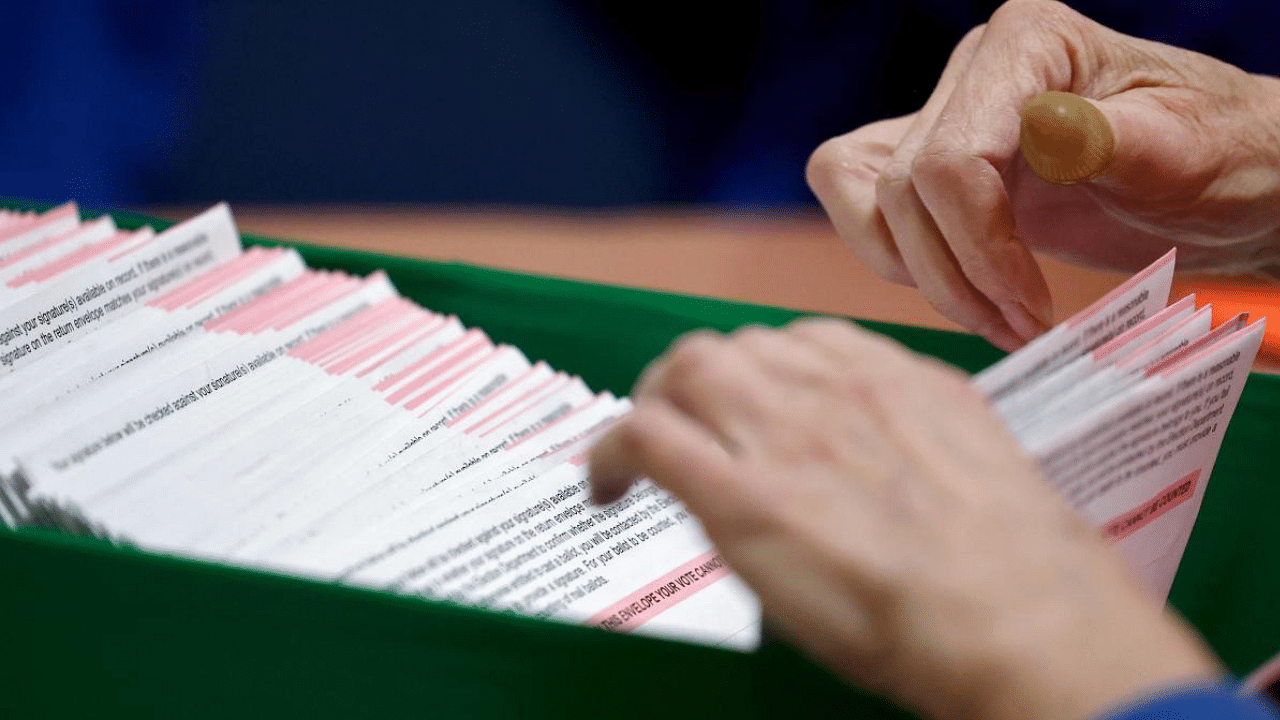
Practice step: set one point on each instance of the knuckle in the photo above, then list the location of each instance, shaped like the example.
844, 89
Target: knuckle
755, 337
1021, 12
1031, 21
937, 164
1047, 38
824, 164
895, 352
970, 41
894, 180
824, 327
764, 503
964, 51
846, 157
870, 393
816, 445
695, 355
883, 351
693, 343
830, 328
754, 333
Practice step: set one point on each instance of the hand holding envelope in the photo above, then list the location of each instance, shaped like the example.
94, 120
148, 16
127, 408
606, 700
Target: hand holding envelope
891, 526
943, 200
927, 534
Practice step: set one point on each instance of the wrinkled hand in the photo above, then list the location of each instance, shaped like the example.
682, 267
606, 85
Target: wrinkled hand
942, 198
891, 527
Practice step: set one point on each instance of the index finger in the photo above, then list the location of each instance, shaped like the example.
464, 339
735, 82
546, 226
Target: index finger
1029, 47
677, 453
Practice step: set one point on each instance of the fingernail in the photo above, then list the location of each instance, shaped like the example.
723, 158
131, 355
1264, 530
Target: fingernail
601, 495
597, 495
595, 485
1003, 337
603, 491
1023, 322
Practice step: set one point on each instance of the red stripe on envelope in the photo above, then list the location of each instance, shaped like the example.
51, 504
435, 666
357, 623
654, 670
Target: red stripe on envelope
1121, 527
662, 594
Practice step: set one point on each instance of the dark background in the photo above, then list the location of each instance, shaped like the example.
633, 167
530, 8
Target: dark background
574, 103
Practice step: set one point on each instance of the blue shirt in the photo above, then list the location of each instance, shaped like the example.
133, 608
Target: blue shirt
1203, 703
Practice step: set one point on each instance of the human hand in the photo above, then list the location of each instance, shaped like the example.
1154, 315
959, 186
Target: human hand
942, 198
891, 526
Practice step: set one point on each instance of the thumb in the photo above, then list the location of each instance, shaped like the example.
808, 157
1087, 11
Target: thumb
1123, 143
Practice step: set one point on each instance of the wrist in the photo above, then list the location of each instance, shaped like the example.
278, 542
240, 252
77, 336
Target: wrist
1077, 662
1108, 668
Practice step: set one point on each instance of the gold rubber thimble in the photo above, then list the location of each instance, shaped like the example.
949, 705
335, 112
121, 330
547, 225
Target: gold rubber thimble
1065, 139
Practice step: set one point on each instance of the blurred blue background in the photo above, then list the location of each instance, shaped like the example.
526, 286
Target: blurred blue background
514, 102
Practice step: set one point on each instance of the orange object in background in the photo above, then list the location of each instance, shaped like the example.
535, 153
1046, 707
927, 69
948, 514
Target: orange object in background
1233, 295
